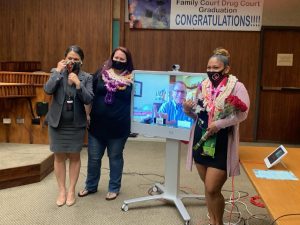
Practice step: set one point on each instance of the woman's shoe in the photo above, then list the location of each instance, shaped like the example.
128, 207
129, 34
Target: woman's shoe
71, 199
60, 202
71, 202
85, 192
111, 196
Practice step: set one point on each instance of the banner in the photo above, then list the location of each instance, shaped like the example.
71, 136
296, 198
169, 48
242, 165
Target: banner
238, 15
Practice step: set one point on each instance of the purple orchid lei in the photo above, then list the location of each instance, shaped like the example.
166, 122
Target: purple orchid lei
112, 85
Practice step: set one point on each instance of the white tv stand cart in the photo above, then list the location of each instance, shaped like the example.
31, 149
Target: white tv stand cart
170, 190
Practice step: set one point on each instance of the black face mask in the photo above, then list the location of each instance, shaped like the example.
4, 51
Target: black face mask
74, 67
216, 77
119, 65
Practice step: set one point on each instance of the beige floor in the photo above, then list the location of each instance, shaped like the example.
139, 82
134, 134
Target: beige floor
16, 155
144, 166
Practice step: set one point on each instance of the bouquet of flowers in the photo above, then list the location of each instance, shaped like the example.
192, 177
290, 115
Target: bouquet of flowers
232, 105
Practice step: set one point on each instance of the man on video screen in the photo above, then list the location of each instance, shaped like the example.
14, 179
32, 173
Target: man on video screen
172, 111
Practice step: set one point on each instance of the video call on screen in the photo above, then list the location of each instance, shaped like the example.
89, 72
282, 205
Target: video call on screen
155, 93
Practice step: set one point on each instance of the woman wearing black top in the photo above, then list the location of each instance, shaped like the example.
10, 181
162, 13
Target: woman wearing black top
109, 121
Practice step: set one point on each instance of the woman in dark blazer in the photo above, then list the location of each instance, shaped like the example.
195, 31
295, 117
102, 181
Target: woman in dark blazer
71, 88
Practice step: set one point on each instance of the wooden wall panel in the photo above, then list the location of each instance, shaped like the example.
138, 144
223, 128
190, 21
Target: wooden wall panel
278, 114
41, 30
284, 41
160, 49
32, 31
86, 23
279, 117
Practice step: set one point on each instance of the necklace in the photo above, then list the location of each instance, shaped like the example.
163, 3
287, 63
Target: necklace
114, 82
213, 99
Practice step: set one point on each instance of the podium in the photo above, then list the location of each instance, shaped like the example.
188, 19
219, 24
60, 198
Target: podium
170, 190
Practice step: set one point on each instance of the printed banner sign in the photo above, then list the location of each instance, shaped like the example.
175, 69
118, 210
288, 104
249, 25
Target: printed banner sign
238, 15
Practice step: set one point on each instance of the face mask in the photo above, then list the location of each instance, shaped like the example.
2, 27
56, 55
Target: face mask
119, 65
215, 77
74, 67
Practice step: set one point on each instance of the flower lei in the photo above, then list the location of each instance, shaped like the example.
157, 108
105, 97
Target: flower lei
114, 82
214, 103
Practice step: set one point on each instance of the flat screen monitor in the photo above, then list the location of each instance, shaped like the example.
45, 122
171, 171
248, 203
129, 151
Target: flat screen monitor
156, 109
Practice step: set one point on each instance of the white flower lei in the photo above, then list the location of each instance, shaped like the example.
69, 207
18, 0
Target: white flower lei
220, 100
124, 79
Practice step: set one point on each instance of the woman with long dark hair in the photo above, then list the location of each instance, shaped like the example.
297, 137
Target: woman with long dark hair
71, 89
109, 121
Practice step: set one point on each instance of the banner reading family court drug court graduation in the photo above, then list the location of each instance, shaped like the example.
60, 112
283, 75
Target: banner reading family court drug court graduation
238, 15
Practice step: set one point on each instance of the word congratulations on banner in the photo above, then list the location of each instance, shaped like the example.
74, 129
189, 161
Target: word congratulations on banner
239, 15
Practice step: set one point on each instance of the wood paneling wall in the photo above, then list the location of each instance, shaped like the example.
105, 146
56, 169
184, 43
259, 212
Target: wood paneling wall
160, 49
41, 30
279, 106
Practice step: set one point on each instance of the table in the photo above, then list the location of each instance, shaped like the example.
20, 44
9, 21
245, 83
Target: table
280, 196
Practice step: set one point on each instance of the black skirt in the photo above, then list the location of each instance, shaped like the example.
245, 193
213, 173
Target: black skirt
220, 158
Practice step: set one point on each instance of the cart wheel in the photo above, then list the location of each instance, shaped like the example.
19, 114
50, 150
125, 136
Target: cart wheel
124, 207
154, 189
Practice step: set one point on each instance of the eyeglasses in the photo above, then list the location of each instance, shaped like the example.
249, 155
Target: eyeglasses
180, 91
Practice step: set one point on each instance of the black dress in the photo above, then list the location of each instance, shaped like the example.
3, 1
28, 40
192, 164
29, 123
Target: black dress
220, 158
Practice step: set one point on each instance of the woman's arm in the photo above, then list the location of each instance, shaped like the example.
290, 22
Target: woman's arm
85, 92
51, 85
56, 75
241, 92
88, 109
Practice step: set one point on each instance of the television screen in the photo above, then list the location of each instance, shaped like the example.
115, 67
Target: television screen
157, 103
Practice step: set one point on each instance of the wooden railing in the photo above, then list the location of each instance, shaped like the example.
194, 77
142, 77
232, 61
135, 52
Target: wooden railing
24, 78
11, 90
19, 84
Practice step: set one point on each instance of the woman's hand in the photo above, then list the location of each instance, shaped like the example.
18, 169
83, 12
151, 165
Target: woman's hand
73, 79
61, 65
212, 129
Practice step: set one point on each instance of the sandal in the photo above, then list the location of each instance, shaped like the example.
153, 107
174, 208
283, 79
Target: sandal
85, 192
111, 196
